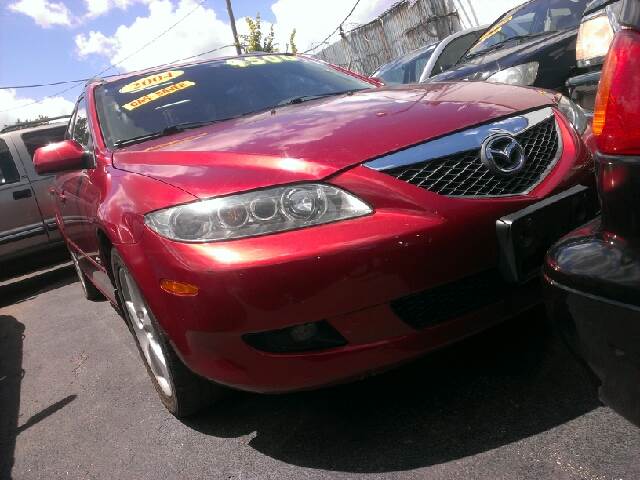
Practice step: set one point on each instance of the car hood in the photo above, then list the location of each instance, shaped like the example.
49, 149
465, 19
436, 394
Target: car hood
511, 55
318, 138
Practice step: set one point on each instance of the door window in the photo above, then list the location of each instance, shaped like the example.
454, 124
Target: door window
39, 138
81, 133
8, 171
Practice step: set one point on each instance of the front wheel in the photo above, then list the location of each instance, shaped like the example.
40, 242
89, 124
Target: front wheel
181, 391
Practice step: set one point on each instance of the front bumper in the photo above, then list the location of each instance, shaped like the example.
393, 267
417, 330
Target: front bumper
357, 286
593, 297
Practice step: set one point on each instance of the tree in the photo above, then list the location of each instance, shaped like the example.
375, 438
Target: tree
255, 41
292, 42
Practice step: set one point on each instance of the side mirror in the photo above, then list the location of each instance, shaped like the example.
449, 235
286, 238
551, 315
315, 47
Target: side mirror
58, 157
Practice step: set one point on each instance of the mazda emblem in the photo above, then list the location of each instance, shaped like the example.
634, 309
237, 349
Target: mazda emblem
502, 154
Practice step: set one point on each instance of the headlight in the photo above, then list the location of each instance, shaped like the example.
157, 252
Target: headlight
524, 74
574, 113
594, 38
256, 213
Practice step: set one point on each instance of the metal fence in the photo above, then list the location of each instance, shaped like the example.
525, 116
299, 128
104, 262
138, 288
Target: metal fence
407, 25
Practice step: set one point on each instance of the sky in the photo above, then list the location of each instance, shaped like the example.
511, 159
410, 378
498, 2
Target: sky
44, 41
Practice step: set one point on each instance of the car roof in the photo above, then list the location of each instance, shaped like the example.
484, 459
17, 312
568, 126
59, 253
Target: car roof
51, 123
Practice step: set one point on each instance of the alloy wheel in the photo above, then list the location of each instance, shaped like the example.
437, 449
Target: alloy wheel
146, 333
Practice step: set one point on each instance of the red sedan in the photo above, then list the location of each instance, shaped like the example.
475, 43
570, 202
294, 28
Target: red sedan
273, 223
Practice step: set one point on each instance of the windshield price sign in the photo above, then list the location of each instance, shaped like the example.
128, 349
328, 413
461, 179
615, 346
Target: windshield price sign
151, 81
153, 96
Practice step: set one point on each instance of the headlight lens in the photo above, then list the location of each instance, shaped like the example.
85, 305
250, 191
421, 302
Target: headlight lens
524, 74
594, 38
256, 213
574, 113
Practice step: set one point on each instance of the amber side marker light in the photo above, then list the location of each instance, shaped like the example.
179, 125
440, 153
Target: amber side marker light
617, 109
181, 289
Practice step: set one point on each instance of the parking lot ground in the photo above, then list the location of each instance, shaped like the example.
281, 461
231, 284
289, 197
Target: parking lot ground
511, 403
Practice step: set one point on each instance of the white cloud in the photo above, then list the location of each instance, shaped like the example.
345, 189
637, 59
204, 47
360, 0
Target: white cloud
95, 8
202, 30
43, 12
95, 43
50, 107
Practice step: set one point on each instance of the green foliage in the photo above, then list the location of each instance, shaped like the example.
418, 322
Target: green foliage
256, 41
292, 42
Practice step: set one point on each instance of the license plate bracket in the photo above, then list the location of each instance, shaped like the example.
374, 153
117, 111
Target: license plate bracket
525, 236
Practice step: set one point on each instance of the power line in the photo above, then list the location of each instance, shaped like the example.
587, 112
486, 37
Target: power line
81, 80
337, 28
35, 85
42, 99
77, 83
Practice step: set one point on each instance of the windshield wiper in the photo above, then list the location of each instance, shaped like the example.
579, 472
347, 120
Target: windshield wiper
181, 127
306, 98
170, 130
499, 45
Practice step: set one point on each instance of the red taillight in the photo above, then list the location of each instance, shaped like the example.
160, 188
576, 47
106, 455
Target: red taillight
616, 119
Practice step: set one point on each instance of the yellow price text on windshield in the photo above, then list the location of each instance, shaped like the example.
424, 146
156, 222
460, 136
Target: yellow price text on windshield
153, 96
259, 60
150, 81
495, 29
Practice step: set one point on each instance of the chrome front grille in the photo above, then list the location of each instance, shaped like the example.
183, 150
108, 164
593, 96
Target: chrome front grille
462, 174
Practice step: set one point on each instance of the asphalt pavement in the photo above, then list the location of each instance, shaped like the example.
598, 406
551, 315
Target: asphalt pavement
512, 403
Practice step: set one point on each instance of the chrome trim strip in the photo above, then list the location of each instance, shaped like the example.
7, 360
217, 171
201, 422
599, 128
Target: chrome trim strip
21, 233
459, 142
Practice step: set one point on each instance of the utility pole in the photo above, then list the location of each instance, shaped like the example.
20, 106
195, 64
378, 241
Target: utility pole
232, 20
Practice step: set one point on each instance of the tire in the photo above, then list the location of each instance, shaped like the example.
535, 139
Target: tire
181, 391
88, 288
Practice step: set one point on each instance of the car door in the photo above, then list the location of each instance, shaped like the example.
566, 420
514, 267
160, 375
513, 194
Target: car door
85, 198
21, 226
26, 144
68, 186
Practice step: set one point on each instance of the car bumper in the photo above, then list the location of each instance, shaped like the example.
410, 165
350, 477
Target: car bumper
593, 297
357, 287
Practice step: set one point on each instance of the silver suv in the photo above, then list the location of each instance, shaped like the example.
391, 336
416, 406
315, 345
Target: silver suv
27, 218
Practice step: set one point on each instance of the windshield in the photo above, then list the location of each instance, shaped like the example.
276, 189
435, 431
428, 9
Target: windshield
532, 19
208, 92
406, 69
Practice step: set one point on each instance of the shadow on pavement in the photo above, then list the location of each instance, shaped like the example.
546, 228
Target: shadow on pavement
27, 287
507, 384
11, 374
33, 262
